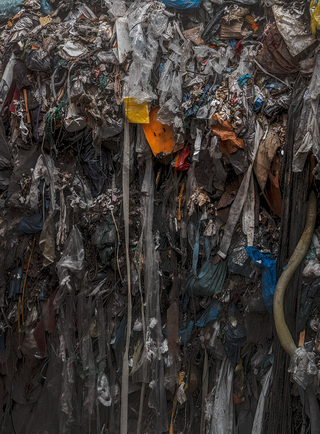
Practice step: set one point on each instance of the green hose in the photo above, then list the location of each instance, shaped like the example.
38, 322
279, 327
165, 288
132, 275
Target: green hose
298, 255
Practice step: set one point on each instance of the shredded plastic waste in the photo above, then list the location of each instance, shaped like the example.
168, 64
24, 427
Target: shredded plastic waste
156, 160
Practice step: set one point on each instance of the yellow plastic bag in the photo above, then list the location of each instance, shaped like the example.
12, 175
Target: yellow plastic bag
315, 15
136, 113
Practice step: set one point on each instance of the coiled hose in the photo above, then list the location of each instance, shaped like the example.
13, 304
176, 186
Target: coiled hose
298, 255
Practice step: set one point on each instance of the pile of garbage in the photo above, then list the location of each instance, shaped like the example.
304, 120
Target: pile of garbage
146, 148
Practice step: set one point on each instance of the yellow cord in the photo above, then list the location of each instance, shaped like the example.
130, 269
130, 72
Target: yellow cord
175, 402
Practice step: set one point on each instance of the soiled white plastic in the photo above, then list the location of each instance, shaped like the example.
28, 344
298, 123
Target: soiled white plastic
238, 203
312, 269
46, 170
6, 79
248, 214
123, 39
258, 423
303, 367
222, 415
73, 254
103, 389
73, 120
72, 260
80, 10
74, 49
291, 24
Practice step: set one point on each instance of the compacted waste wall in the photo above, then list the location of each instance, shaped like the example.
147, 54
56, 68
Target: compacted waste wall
159, 162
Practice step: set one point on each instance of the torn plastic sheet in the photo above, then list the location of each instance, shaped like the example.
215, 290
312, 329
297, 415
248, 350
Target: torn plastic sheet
47, 242
258, 422
6, 79
248, 216
274, 56
197, 145
73, 253
209, 280
37, 60
210, 314
78, 12
46, 170
291, 24
144, 53
73, 121
222, 414
71, 261
74, 49
312, 268
194, 34
103, 389
123, 39
32, 224
303, 366
151, 361
238, 203
229, 141
116, 8
269, 274
238, 260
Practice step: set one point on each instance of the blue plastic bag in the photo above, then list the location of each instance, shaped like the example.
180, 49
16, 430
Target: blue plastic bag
210, 314
8, 8
184, 334
182, 5
269, 274
45, 7
31, 224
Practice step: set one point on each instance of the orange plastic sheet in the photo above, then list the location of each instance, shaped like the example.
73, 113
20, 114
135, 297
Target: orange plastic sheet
160, 136
229, 141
